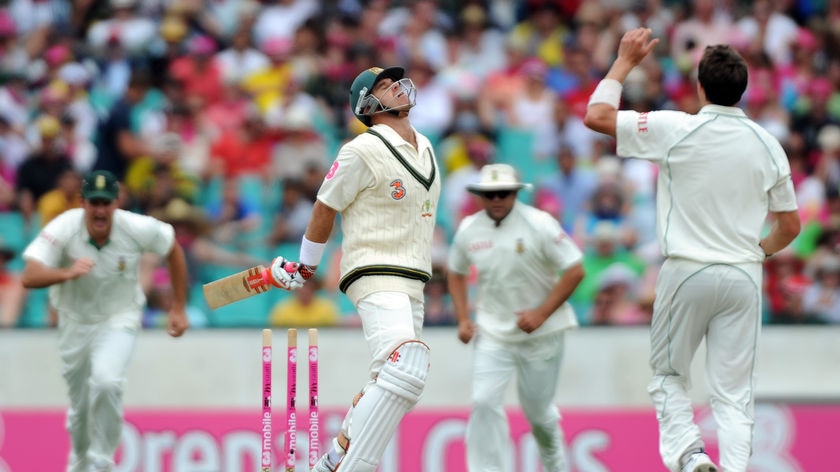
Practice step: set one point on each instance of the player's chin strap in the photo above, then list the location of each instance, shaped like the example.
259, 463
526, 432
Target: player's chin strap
371, 423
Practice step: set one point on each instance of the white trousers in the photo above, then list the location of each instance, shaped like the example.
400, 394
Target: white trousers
95, 359
536, 365
723, 304
388, 320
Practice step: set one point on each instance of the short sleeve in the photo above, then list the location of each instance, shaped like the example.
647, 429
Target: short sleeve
782, 196
647, 135
49, 244
348, 175
558, 246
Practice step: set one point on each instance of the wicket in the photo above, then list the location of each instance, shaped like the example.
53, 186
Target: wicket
290, 444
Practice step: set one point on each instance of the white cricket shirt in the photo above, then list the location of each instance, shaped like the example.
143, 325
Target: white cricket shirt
518, 263
719, 175
388, 200
112, 286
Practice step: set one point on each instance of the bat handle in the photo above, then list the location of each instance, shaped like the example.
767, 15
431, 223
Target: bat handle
268, 278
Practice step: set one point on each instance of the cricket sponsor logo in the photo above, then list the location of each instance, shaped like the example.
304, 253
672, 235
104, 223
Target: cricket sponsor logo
291, 430
333, 170
788, 438
314, 440
398, 192
254, 281
265, 459
480, 246
641, 125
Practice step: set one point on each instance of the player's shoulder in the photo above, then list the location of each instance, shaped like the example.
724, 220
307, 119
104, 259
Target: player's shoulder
363, 141
539, 221
533, 214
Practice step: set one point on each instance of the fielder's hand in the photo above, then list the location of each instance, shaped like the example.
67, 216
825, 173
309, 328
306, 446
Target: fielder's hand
466, 331
288, 275
178, 322
529, 320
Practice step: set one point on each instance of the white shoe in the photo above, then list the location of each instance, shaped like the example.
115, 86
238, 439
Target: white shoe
699, 462
324, 464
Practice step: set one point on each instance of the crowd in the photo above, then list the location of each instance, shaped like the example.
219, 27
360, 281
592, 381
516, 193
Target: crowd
222, 117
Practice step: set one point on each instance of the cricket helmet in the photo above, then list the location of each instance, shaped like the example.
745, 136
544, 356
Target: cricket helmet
362, 102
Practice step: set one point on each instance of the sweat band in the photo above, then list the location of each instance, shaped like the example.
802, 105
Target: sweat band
311, 252
608, 91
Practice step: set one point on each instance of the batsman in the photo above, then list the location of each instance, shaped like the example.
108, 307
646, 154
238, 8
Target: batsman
385, 183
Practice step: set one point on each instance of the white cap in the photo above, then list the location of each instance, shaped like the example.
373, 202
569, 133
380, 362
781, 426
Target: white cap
497, 177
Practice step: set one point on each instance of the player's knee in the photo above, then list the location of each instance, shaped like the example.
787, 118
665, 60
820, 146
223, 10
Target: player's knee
484, 403
405, 370
105, 384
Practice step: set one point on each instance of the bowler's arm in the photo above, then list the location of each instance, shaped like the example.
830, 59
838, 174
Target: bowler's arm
601, 113
601, 117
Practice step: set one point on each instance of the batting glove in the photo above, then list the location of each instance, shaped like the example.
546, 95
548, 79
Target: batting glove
288, 275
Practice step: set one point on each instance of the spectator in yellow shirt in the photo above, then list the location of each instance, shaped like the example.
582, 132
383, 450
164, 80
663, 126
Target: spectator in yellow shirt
268, 85
67, 194
306, 307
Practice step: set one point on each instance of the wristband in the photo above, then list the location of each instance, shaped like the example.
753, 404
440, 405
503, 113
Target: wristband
311, 252
608, 91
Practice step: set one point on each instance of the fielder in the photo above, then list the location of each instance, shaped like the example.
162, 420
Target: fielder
720, 174
89, 258
385, 183
519, 253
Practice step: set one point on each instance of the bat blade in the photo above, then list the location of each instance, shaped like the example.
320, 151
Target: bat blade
236, 287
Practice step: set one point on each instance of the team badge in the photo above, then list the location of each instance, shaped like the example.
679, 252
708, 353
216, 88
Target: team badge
121, 263
520, 246
426, 209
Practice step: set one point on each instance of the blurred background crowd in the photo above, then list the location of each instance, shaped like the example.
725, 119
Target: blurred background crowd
222, 117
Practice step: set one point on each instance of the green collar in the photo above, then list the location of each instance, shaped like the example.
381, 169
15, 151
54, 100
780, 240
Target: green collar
97, 246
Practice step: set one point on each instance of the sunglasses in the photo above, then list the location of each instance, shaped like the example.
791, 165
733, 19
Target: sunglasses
501, 194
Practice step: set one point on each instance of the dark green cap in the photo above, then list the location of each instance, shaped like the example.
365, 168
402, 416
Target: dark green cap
362, 86
100, 184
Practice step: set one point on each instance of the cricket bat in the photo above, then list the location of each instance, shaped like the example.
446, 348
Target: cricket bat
236, 287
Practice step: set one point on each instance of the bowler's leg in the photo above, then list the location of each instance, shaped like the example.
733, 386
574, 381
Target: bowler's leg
730, 371
678, 326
